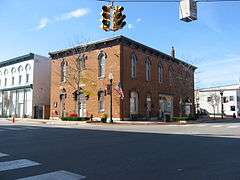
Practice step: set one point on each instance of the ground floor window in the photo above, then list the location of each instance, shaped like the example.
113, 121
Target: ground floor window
165, 107
16, 103
134, 103
101, 95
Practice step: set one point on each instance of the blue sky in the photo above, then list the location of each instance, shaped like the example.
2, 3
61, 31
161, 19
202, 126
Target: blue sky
212, 43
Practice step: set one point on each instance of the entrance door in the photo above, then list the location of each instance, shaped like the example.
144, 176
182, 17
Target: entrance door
82, 106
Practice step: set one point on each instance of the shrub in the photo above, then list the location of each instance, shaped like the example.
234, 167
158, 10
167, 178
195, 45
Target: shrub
75, 118
104, 117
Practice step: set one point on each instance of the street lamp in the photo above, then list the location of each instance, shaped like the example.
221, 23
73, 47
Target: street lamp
110, 76
221, 93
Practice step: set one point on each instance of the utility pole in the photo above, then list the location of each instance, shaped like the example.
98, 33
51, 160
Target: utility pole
221, 93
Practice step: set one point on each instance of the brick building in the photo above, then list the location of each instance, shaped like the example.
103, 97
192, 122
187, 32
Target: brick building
155, 85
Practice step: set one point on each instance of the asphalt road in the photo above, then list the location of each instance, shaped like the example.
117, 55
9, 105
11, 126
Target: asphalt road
195, 152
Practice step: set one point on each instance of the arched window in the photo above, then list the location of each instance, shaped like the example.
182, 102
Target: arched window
160, 72
20, 70
64, 67
133, 66
101, 64
170, 74
134, 102
148, 69
81, 62
5, 74
13, 71
27, 68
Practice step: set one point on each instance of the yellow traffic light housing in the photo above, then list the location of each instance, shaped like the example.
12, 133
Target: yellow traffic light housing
106, 18
118, 18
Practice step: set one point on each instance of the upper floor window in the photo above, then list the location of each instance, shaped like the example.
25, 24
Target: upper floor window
13, 71
64, 67
5, 72
19, 79
101, 64
27, 68
160, 72
13, 79
81, 62
148, 70
5, 82
170, 74
133, 66
231, 98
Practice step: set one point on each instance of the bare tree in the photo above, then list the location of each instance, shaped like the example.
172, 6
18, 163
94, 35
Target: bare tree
214, 102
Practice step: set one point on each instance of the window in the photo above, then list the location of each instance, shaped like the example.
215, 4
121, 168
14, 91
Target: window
27, 68
209, 99
170, 74
20, 79
133, 66
64, 67
5, 82
13, 80
101, 64
231, 98
232, 108
134, 103
27, 78
148, 70
81, 62
160, 73
101, 95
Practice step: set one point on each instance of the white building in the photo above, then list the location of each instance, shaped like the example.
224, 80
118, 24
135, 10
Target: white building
25, 86
209, 100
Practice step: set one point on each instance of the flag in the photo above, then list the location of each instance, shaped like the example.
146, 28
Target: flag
119, 90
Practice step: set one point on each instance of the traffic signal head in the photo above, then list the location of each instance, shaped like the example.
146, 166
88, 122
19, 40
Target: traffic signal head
106, 18
118, 18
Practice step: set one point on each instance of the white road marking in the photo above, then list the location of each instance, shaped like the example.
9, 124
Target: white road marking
216, 126
17, 164
233, 126
201, 125
57, 175
3, 155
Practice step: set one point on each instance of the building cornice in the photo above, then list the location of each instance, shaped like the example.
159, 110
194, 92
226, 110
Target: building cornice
115, 41
17, 60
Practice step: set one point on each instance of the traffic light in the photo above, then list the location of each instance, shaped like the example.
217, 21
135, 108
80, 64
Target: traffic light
118, 18
106, 18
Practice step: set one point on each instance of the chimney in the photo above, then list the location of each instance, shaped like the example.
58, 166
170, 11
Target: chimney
173, 52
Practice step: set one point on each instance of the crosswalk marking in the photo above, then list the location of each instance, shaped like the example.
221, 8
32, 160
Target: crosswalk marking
233, 126
62, 175
3, 155
17, 164
216, 126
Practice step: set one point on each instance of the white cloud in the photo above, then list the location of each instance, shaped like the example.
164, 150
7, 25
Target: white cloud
42, 23
130, 26
73, 14
139, 20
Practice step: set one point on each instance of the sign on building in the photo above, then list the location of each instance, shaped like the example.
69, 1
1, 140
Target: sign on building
188, 10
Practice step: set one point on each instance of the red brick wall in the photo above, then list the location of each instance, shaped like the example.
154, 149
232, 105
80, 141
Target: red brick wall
181, 87
91, 80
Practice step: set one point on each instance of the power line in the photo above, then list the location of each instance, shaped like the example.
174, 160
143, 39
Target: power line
164, 1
